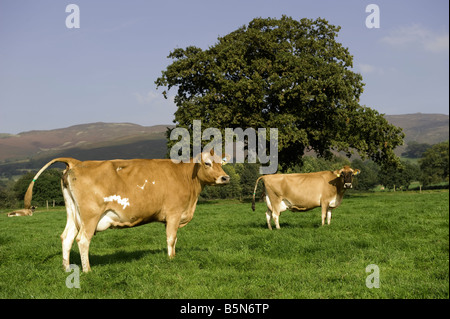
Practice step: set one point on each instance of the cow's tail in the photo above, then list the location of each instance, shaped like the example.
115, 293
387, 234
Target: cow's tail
254, 192
70, 162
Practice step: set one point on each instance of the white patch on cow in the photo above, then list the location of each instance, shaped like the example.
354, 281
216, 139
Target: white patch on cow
153, 182
118, 168
121, 201
107, 220
333, 202
269, 204
142, 187
284, 205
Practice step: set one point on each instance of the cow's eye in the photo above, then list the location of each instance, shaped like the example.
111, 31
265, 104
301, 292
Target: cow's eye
209, 164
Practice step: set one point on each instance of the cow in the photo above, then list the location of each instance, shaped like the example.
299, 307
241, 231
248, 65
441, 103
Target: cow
126, 193
23, 212
302, 192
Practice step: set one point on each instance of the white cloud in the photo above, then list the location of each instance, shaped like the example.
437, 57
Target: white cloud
418, 35
369, 68
152, 98
438, 44
146, 98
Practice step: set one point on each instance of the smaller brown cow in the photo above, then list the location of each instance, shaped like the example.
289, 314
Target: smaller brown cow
302, 192
23, 212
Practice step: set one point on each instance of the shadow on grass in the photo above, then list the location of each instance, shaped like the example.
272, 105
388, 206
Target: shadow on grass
122, 256
119, 256
283, 224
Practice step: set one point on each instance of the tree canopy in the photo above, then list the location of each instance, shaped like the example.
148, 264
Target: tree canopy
47, 188
415, 149
435, 164
286, 74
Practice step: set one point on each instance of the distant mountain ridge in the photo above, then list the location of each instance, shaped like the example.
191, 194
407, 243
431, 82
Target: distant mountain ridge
127, 140
83, 136
422, 128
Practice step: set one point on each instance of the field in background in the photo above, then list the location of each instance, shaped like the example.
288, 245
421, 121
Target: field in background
226, 251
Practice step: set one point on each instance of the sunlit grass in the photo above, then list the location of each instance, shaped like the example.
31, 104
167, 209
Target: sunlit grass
226, 251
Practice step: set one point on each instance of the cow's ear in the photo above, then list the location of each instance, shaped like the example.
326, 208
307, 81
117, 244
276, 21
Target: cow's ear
207, 155
338, 172
226, 158
356, 172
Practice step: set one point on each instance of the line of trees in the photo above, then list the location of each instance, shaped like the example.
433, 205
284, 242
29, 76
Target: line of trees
48, 188
431, 168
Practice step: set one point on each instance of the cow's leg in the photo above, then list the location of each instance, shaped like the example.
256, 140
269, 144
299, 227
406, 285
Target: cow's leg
273, 205
171, 233
71, 230
324, 213
276, 218
84, 237
67, 237
329, 216
269, 218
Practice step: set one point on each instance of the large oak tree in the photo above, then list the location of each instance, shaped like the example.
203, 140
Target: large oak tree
285, 74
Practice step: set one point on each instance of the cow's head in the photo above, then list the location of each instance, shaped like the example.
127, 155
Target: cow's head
346, 175
210, 171
31, 210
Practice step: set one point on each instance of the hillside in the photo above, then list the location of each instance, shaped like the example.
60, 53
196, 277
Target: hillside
84, 137
100, 141
95, 141
422, 128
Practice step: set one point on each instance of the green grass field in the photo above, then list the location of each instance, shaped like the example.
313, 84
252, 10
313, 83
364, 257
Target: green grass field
226, 251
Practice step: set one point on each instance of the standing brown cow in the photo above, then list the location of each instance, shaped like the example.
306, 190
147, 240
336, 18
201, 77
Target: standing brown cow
302, 192
127, 193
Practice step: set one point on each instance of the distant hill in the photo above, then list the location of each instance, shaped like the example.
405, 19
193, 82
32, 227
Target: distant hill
422, 128
101, 141
93, 141
77, 137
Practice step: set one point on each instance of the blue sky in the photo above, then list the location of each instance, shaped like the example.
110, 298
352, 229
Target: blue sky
52, 76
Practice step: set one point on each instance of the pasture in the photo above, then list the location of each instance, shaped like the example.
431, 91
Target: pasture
226, 251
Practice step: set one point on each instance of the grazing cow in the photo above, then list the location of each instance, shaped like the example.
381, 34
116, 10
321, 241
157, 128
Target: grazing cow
23, 212
302, 192
127, 193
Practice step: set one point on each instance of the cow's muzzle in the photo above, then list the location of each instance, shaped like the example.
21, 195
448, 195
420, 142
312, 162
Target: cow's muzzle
225, 179
348, 185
